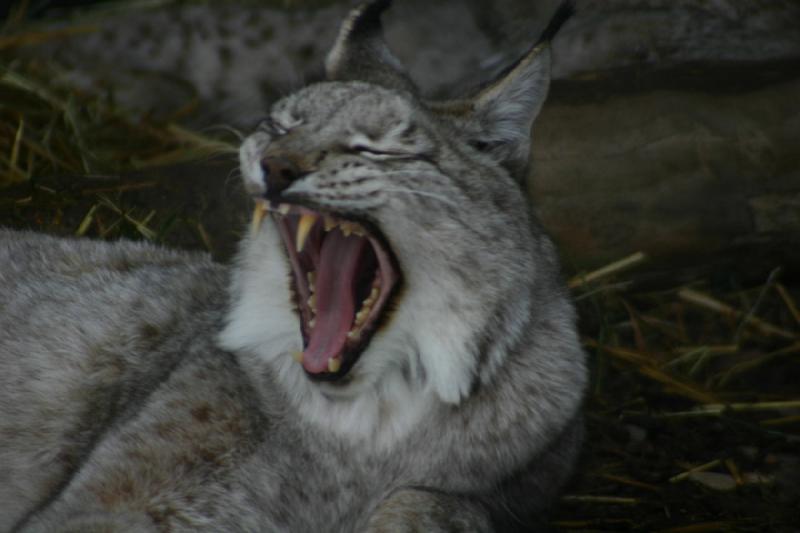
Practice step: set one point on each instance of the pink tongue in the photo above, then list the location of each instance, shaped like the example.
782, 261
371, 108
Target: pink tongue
334, 289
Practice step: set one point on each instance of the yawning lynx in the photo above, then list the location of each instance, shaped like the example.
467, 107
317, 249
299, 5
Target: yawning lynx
391, 351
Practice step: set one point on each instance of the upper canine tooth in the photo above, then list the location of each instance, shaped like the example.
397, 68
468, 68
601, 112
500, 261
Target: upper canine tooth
303, 229
284, 209
347, 228
329, 223
258, 216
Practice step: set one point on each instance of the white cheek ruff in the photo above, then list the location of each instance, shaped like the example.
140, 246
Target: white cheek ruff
440, 336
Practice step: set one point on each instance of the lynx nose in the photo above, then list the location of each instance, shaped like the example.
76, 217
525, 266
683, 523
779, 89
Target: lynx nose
279, 173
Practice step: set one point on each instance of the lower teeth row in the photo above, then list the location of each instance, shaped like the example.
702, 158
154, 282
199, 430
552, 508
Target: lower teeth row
335, 363
361, 315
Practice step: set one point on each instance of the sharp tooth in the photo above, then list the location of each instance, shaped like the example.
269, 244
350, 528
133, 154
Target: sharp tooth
361, 316
259, 212
312, 302
329, 223
353, 335
303, 229
346, 228
284, 209
372, 297
312, 278
358, 230
312, 323
297, 356
334, 364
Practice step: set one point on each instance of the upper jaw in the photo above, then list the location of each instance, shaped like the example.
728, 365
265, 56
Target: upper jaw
344, 276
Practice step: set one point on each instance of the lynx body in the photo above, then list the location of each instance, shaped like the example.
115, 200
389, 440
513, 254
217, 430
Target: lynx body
392, 350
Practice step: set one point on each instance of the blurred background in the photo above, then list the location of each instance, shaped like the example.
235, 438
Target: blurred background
666, 167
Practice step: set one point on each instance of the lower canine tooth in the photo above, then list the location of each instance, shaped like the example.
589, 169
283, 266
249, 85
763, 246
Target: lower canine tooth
297, 356
334, 364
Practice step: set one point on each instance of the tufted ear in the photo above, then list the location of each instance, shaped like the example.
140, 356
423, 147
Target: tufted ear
501, 115
360, 52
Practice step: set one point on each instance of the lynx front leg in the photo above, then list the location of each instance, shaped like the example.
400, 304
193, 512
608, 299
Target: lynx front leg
421, 510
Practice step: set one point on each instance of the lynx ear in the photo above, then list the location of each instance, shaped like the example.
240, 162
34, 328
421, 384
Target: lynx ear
360, 52
504, 111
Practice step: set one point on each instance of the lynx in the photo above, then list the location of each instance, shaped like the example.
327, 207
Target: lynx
392, 350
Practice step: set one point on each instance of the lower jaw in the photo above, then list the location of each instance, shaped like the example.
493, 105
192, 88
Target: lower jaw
339, 378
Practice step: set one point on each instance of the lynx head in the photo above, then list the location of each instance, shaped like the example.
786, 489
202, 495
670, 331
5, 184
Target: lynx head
397, 243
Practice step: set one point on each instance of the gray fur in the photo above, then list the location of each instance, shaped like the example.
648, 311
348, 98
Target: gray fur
145, 389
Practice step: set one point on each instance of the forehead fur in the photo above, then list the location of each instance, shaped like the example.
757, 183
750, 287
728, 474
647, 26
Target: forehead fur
364, 104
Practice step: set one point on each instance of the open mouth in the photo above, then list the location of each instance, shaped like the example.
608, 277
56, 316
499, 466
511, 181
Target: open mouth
344, 275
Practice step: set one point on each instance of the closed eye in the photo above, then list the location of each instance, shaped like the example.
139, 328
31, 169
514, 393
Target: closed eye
276, 127
268, 125
379, 154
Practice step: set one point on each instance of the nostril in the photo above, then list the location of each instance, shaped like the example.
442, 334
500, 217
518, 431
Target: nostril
278, 174
265, 169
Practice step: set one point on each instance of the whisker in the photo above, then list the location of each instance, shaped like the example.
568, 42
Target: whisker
420, 177
235, 175
416, 173
425, 194
230, 129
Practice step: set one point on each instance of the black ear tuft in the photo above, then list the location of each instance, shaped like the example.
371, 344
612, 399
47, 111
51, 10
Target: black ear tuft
503, 112
360, 52
562, 14
367, 20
